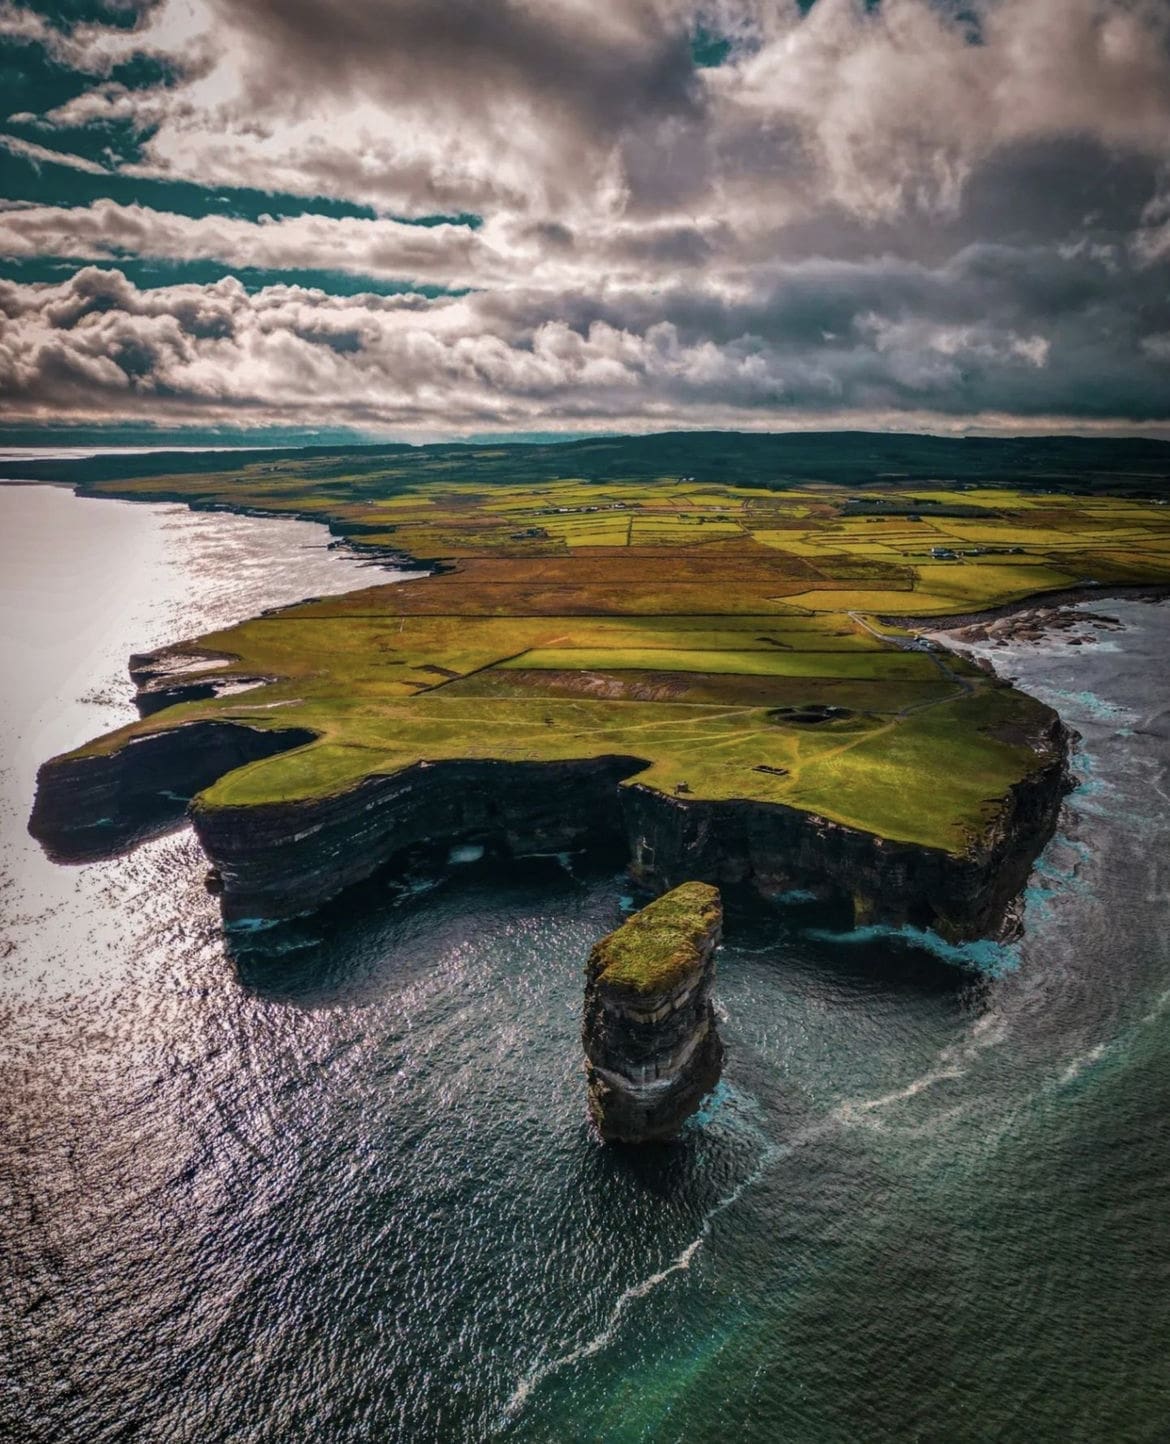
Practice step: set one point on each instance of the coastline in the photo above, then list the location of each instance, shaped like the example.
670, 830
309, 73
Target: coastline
352, 1079
278, 860
1065, 597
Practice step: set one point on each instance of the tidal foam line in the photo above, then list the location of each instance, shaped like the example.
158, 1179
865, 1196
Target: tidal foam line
770, 1153
986, 1032
1086, 1060
953, 1061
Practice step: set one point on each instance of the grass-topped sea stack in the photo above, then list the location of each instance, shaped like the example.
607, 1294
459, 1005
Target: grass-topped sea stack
651, 1049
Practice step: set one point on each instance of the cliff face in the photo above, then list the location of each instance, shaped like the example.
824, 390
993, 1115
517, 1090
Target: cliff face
280, 860
652, 1051
95, 806
775, 849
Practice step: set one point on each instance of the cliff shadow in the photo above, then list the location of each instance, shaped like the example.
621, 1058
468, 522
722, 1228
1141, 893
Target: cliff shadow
339, 955
397, 920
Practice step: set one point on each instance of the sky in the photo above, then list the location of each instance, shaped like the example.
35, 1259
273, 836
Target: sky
430, 218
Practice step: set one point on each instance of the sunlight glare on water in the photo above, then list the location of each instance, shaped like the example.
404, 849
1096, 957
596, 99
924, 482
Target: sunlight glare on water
344, 1189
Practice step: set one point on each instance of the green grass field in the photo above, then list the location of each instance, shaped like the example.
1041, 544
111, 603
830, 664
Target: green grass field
663, 619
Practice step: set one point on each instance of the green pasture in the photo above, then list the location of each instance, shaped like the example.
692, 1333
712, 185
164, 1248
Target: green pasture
663, 620
764, 662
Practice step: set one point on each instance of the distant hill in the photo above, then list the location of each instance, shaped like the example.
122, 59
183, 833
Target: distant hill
767, 460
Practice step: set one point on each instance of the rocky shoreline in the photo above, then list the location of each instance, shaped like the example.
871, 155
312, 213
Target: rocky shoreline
1034, 607
1035, 625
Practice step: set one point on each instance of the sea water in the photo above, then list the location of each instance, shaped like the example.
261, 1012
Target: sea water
344, 1189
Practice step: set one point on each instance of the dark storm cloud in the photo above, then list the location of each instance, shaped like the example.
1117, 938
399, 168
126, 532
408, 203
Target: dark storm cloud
822, 339
861, 211
603, 66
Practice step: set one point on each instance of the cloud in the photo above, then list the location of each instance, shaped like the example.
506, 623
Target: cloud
97, 344
899, 104
93, 46
43, 155
580, 105
906, 208
380, 248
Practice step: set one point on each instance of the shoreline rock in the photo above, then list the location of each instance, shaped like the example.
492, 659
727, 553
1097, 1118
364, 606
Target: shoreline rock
1063, 597
652, 1050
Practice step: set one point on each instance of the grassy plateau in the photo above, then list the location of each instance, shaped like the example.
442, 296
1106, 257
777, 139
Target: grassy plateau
659, 948
729, 633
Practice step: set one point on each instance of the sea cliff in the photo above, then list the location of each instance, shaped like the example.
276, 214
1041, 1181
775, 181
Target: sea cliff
282, 859
93, 806
652, 1051
775, 850
702, 685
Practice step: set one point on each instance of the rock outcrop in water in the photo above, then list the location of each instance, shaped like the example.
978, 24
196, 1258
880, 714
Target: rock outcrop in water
652, 1051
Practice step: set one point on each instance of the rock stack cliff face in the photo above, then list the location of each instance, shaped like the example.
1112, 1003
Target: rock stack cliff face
651, 1048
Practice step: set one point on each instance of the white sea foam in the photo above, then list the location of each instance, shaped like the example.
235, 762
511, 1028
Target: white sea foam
985, 1032
1086, 1060
952, 1062
854, 1110
769, 1154
981, 955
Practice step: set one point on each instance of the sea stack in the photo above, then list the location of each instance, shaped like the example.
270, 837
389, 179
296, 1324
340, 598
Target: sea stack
651, 1048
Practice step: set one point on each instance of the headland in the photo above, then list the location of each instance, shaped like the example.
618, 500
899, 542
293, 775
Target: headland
699, 674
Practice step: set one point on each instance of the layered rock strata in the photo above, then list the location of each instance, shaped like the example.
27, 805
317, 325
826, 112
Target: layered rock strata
652, 1051
95, 806
775, 849
284, 859
281, 860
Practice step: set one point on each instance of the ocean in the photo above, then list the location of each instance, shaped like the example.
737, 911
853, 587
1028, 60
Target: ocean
342, 1187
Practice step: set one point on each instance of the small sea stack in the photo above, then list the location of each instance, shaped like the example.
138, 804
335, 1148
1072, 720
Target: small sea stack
651, 1048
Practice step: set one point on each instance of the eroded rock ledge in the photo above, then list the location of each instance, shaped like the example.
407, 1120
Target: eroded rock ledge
652, 1052
280, 860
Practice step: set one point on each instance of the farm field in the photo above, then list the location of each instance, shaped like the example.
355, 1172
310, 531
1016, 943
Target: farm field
740, 641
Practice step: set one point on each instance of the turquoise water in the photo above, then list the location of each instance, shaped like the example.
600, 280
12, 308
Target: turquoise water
343, 1189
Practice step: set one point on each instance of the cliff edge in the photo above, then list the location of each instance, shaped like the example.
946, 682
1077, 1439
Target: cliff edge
697, 680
